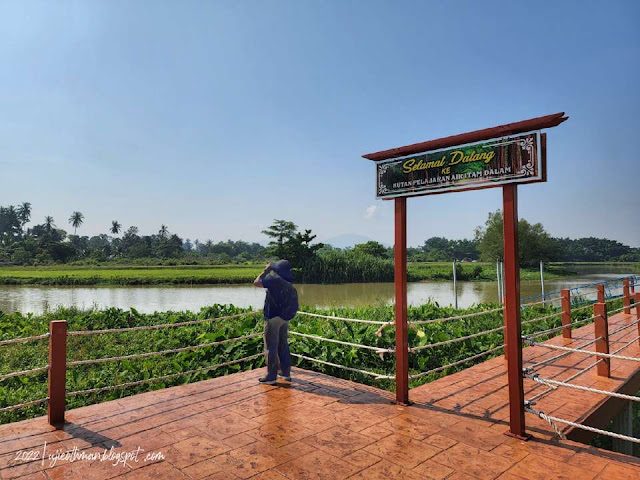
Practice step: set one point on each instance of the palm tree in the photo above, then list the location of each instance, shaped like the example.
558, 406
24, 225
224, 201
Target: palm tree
164, 231
115, 227
75, 220
48, 223
24, 212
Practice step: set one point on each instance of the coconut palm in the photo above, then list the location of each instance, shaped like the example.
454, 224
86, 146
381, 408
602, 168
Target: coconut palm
115, 227
24, 212
164, 231
48, 223
75, 220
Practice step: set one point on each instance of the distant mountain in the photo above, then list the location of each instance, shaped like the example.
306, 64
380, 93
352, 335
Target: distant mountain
346, 240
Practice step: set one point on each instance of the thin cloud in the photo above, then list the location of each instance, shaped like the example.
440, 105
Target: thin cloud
370, 211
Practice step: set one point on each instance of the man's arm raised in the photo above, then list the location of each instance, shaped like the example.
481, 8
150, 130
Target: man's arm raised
258, 281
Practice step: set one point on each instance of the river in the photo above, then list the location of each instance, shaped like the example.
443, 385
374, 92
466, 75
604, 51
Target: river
37, 299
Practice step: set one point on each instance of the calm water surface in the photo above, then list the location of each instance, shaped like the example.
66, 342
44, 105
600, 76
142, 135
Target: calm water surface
37, 299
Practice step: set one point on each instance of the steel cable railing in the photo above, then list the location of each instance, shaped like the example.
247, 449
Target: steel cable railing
456, 363
344, 319
455, 340
158, 326
163, 377
377, 376
457, 317
340, 342
161, 352
550, 382
22, 373
551, 419
12, 341
585, 352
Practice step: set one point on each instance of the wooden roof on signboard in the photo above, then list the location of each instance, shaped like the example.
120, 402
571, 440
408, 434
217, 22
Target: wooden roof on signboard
538, 123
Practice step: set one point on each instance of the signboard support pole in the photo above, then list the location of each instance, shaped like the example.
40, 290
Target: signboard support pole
402, 341
544, 304
499, 284
455, 286
512, 312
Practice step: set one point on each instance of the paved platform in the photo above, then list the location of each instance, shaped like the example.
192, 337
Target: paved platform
320, 427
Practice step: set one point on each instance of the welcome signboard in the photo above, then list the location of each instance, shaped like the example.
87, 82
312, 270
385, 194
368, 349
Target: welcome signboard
512, 159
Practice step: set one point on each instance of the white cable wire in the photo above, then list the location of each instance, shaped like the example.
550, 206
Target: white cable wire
23, 340
164, 377
548, 382
458, 317
612, 299
377, 376
617, 330
626, 345
590, 305
22, 405
587, 352
546, 300
549, 418
340, 342
539, 319
459, 362
454, 340
562, 355
561, 327
162, 352
572, 377
616, 310
344, 319
24, 372
75, 333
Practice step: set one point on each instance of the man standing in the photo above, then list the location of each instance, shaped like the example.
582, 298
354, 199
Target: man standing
280, 306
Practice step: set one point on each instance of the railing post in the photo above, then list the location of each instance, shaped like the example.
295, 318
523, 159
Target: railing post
602, 333
57, 371
601, 298
400, 274
566, 312
626, 298
636, 297
512, 311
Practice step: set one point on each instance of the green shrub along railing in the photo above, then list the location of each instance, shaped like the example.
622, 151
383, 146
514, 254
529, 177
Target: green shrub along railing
24, 356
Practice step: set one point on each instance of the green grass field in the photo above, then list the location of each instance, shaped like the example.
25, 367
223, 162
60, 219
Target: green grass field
61, 275
225, 274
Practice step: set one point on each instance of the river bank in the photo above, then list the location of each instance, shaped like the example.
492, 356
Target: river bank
231, 274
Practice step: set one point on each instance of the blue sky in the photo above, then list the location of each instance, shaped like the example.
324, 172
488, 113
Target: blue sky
214, 117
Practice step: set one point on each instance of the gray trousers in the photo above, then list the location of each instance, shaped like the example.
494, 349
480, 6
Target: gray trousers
276, 344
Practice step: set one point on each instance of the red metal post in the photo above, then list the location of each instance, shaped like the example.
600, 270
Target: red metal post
601, 298
57, 371
636, 297
512, 310
626, 298
601, 325
402, 342
566, 312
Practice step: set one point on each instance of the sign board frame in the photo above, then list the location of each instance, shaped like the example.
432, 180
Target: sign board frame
540, 168
512, 323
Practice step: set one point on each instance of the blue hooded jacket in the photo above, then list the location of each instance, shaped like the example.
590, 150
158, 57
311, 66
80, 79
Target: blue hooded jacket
282, 297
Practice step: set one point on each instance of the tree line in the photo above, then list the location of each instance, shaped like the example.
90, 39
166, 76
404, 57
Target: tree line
29, 243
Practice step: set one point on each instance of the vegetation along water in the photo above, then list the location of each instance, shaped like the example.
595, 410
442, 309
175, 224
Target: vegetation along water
31, 355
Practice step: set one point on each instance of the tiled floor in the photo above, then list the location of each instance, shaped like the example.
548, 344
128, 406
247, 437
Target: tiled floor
320, 427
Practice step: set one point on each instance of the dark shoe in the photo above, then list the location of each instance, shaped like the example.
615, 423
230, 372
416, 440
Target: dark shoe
284, 377
266, 381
